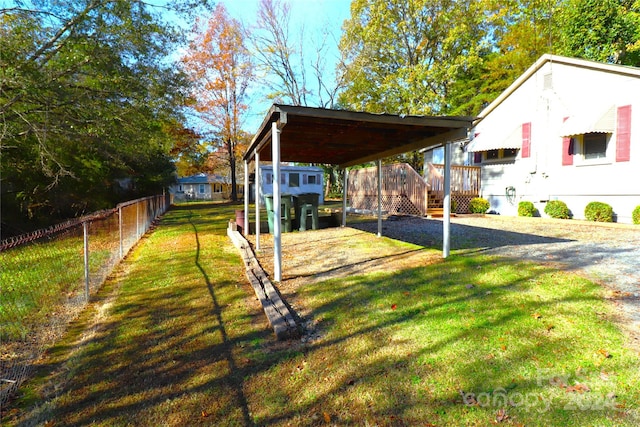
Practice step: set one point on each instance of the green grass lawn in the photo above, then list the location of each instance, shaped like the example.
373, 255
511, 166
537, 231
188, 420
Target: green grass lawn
177, 338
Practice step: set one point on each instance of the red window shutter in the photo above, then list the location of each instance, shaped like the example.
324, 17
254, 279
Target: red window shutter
623, 134
526, 140
477, 156
567, 149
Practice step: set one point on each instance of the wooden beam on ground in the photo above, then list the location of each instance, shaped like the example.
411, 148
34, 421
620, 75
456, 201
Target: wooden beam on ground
278, 314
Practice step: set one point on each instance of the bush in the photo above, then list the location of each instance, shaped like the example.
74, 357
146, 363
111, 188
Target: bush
478, 205
599, 212
557, 209
454, 206
526, 209
636, 215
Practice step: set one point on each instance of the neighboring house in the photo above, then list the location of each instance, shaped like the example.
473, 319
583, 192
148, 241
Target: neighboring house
567, 129
294, 180
202, 186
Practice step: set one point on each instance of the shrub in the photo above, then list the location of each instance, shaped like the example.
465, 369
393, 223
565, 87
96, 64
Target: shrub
454, 206
557, 209
526, 209
599, 212
636, 215
478, 205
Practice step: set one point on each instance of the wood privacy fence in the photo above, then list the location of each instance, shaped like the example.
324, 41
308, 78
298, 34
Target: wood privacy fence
404, 191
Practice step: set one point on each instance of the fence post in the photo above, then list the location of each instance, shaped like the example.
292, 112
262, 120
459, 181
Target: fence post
85, 229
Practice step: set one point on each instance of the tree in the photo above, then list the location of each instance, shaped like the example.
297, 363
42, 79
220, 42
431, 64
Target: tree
85, 88
221, 69
518, 33
601, 30
281, 58
402, 56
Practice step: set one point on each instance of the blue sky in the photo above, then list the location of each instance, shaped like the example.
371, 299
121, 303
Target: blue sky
316, 16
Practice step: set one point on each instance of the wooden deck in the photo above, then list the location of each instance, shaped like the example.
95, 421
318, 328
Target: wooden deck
404, 191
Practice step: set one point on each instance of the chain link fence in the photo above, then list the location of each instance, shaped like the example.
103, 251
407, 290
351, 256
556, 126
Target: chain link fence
47, 277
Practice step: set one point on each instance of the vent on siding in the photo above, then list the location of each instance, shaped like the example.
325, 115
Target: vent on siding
548, 81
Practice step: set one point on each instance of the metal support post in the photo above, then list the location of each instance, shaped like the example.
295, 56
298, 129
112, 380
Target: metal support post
277, 237
446, 220
344, 196
258, 183
379, 166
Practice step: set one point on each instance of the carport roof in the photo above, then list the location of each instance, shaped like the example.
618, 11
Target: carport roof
346, 138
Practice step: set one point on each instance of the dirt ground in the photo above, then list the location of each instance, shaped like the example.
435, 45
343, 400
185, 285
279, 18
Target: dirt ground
606, 253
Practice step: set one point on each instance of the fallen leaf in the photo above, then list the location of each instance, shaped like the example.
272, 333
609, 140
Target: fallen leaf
578, 388
558, 381
393, 306
204, 414
501, 416
468, 398
604, 353
536, 315
550, 327
327, 417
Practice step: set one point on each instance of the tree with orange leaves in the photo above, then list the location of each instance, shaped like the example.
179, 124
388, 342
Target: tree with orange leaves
220, 66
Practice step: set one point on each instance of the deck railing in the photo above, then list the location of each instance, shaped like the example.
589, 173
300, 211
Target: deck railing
403, 189
406, 191
465, 180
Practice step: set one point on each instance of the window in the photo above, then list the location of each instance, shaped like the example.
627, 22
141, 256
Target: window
509, 153
294, 180
312, 179
268, 179
201, 189
594, 146
493, 154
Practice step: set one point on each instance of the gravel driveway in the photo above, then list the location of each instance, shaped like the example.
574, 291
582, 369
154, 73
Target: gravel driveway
606, 253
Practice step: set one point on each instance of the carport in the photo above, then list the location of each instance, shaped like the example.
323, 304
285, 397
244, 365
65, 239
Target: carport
343, 138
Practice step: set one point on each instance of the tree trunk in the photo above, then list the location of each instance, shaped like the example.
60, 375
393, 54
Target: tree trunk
232, 166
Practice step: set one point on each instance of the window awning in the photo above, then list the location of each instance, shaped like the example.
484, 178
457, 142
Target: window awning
487, 141
590, 122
